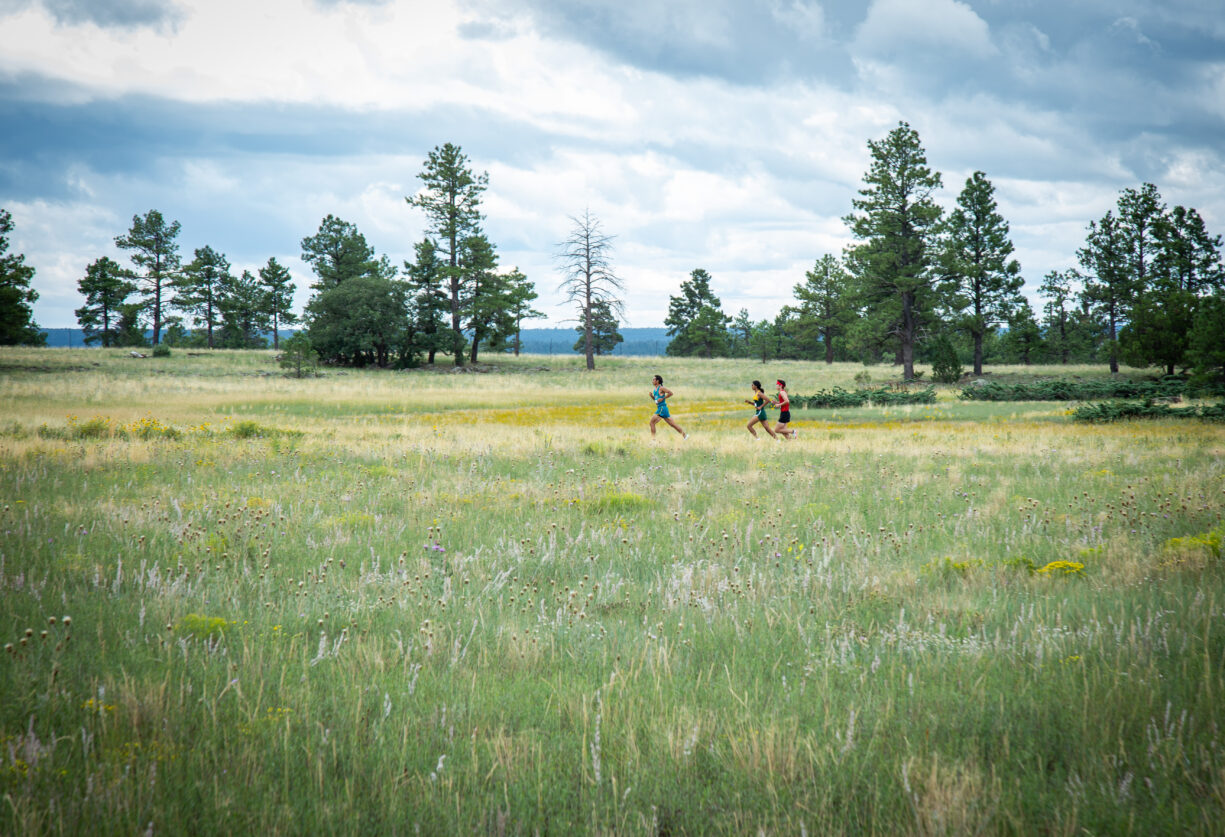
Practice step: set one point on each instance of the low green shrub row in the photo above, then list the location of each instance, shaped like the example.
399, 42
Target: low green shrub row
883, 396
1109, 411
1069, 390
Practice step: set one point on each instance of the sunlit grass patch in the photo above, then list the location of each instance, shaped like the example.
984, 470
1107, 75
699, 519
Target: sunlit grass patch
203, 627
618, 502
249, 429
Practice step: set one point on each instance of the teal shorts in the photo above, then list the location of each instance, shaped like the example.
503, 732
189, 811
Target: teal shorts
662, 411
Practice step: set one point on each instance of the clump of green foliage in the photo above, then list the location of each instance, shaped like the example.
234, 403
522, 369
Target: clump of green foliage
299, 356
202, 627
248, 429
1070, 390
619, 502
946, 368
1109, 411
839, 398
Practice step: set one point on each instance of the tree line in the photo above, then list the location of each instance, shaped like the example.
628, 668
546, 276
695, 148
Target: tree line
922, 282
918, 283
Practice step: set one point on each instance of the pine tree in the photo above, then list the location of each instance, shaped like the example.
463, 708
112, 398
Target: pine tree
695, 320
451, 200
427, 282
1059, 290
17, 298
106, 286
1110, 288
155, 252
984, 283
243, 305
338, 252
200, 289
825, 301
278, 290
604, 333
896, 220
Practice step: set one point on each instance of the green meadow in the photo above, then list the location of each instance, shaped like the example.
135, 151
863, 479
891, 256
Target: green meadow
420, 602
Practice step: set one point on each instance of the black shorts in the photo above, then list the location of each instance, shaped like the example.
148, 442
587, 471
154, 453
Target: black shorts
784, 417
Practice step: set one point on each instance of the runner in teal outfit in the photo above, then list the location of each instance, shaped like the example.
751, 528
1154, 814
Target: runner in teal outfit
660, 395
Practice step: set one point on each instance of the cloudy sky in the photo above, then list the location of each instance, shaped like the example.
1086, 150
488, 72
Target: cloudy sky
724, 134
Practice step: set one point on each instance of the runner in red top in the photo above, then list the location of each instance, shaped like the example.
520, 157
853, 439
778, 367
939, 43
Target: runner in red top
784, 407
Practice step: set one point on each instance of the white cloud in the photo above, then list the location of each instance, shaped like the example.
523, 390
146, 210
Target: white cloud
897, 27
748, 179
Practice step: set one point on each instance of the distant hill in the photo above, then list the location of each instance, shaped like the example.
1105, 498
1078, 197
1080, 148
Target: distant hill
560, 341
643, 342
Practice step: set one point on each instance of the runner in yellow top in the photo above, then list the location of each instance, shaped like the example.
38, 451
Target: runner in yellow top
759, 402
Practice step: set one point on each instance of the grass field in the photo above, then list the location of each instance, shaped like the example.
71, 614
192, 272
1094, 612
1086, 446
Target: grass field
418, 602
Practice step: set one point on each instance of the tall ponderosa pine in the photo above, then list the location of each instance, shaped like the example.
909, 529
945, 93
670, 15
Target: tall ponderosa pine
1189, 258
1059, 289
481, 290
984, 283
106, 286
431, 300
518, 294
1174, 262
200, 287
278, 288
825, 302
1024, 338
338, 252
451, 199
17, 298
155, 252
1206, 349
740, 333
896, 220
1110, 287
585, 261
1141, 224
244, 312
429, 288
696, 322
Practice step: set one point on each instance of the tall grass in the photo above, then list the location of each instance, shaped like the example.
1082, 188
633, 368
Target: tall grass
399, 601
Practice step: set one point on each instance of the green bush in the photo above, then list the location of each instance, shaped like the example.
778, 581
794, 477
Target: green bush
839, 398
946, 368
161, 350
299, 356
1069, 390
1109, 411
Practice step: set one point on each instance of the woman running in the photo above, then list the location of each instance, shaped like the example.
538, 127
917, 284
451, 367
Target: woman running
784, 411
660, 396
759, 402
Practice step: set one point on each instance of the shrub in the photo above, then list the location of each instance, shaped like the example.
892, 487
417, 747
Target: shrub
1068, 390
161, 350
838, 398
1109, 411
946, 368
298, 355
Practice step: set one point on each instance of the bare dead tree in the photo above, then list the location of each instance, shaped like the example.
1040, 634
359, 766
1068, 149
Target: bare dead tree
585, 263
